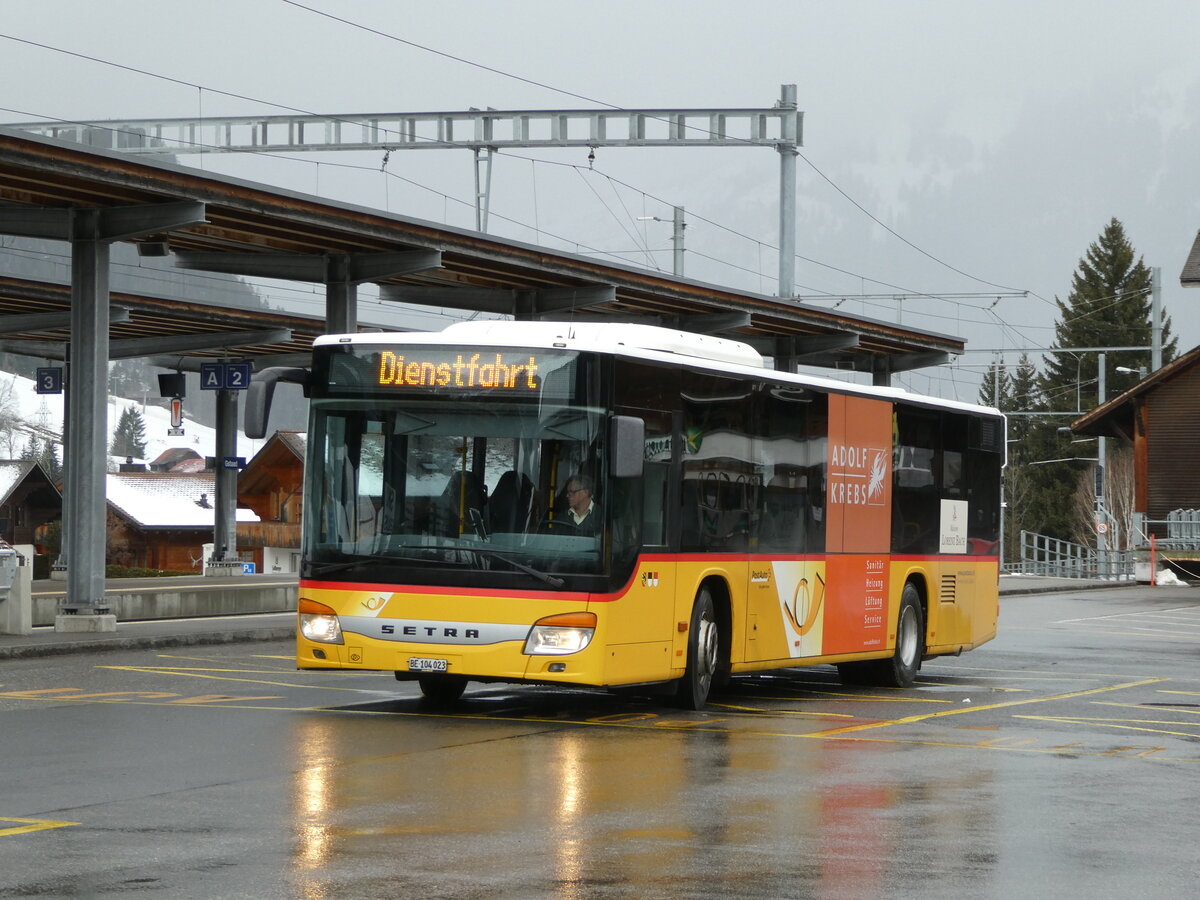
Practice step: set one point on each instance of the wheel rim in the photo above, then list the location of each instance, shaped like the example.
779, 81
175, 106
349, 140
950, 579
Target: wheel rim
907, 639
706, 651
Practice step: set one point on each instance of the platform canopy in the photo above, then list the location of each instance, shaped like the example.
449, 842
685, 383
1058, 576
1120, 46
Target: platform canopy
250, 228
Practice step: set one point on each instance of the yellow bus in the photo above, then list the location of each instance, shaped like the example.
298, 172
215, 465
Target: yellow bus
632, 507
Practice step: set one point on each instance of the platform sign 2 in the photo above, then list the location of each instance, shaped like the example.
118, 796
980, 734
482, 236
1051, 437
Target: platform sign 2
49, 380
225, 376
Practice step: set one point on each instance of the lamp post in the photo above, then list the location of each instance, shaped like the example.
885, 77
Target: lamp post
1140, 371
1102, 517
676, 236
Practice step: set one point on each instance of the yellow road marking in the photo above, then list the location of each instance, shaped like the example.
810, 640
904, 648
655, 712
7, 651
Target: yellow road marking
198, 674
784, 712
29, 825
849, 698
648, 721
1008, 742
171, 670
1149, 634
1109, 723
1141, 706
907, 720
142, 697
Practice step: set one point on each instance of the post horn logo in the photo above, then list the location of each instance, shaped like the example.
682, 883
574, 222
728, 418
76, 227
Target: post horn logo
805, 605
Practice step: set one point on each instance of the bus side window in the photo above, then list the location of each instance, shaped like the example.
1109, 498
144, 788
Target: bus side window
654, 504
656, 474
954, 443
915, 476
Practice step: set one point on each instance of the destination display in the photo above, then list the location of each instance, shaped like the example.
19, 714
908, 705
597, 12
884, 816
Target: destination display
490, 370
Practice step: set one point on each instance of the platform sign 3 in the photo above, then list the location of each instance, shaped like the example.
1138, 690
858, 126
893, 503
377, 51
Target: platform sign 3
49, 380
225, 376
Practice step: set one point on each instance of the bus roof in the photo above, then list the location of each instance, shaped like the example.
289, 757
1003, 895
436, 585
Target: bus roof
602, 337
639, 341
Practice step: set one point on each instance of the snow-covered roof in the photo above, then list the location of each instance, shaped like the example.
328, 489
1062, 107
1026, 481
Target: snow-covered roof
167, 499
12, 473
293, 440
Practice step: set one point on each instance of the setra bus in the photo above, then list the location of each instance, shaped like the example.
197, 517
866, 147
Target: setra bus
745, 519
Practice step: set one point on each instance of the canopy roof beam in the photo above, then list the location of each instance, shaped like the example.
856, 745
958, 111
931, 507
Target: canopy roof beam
341, 273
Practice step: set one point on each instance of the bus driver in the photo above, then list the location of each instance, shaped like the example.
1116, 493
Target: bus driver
582, 510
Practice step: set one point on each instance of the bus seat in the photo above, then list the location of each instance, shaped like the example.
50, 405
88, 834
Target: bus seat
509, 503
453, 504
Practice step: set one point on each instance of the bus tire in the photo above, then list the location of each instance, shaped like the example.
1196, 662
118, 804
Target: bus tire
442, 689
703, 654
900, 669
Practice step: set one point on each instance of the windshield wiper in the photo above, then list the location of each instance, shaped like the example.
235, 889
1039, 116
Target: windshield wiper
324, 568
552, 580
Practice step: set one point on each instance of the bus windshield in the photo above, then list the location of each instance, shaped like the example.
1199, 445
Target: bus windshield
454, 484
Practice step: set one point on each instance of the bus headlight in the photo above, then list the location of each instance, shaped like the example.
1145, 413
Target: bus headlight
561, 634
319, 622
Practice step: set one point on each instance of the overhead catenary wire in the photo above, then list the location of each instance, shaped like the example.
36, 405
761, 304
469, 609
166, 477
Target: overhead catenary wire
587, 99
505, 74
536, 227
304, 111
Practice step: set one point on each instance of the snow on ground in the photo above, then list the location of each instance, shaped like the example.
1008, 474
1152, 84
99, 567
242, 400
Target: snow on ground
41, 414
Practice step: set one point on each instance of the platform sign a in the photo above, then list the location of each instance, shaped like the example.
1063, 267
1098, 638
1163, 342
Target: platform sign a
212, 376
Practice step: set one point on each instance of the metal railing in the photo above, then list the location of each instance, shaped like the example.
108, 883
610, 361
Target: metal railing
1043, 555
1180, 530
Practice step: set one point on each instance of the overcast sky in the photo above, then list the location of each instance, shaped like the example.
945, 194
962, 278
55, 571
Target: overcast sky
995, 138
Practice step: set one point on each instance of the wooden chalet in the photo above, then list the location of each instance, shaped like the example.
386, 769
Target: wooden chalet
271, 485
1159, 418
162, 520
28, 501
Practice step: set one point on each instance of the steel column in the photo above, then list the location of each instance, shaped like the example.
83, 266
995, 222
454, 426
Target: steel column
87, 390
341, 296
1155, 319
787, 193
677, 239
225, 501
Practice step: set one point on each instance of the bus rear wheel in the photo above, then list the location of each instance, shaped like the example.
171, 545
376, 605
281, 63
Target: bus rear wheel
703, 654
900, 669
442, 689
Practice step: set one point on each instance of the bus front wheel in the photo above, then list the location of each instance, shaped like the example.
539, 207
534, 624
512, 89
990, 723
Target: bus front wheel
900, 669
442, 689
703, 654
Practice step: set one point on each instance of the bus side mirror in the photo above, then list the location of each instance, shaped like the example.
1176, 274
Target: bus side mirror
627, 442
260, 393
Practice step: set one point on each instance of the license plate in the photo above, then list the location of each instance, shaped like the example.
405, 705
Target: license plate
425, 664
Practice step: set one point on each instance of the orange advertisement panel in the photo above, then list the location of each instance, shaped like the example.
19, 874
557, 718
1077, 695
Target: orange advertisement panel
859, 495
856, 604
858, 536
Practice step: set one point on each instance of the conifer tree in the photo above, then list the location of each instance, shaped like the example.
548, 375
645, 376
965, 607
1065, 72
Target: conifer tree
1014, 390
129, 439
49, 460
33, 449
1109, 306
